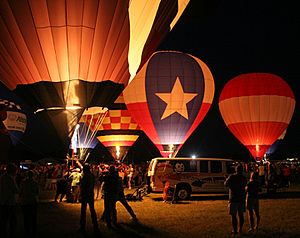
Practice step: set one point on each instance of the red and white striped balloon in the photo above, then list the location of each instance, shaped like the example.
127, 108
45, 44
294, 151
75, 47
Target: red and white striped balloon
257, 108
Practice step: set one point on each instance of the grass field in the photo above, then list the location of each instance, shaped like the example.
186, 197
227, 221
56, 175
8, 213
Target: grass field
202, 216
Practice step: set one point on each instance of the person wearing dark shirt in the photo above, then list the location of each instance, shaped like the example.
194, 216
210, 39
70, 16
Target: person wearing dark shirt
237, 198
110, 196
252, 204
87, 197
8, 204
29, 192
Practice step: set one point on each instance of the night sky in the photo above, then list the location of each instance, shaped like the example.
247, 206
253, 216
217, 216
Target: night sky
232, 38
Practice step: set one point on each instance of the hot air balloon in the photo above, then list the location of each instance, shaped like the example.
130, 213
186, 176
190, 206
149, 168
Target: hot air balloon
65, 56
14, 116
15, 121
169, 97
84, 137
119, 131
257, 108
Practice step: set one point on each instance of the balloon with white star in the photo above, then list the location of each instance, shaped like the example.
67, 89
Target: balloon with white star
169, 97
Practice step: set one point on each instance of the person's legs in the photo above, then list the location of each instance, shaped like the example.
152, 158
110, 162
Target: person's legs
127, 206
62, 196
233, 208
56, 196
12, 221
251, 219
107, 209
83, 216
234, 223
33, 215
241, 221
3, 220
93, 215
256, 210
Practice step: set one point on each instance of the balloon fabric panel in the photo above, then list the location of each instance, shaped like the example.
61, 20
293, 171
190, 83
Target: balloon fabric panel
185, 79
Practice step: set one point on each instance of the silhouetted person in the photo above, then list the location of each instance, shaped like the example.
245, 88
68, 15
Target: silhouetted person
61, 188
87, 197
252, 190
237, 198
29, 192
8, 191
122, 199
110, 195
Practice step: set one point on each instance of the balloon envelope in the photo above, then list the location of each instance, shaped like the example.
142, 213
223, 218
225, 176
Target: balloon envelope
119, 131
169, 97
15, 120
257, 108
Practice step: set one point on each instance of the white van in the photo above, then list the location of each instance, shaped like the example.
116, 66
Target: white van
190, 175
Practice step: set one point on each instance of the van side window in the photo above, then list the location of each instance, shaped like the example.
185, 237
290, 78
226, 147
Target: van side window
216, 166
193, 166
204, 166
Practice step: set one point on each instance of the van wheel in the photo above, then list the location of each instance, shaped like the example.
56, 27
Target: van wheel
183, 193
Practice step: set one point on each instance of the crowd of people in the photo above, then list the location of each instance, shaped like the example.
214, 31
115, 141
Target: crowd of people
72, 182
246, 183
84, 183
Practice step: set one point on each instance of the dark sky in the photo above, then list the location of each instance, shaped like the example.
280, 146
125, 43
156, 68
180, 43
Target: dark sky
231, 37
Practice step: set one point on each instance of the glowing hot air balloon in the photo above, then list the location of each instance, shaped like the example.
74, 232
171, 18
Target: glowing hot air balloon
15, 121
169, 97
84, 137
119, 131
257, 108
65, 56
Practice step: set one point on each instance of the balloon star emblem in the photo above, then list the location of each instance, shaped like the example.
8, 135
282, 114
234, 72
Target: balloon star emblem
176, 100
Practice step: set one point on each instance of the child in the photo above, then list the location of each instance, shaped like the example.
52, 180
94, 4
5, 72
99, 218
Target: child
252, 190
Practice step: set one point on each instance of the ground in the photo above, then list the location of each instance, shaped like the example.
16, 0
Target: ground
202, 216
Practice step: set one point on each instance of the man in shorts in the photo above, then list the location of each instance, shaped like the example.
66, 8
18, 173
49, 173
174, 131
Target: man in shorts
237, 198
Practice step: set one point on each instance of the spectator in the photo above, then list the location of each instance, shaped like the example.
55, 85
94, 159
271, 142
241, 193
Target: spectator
252, 190
76, 177
130, 175
61, 188
237, 198
8, 192
87, 197
110, 195
29, 191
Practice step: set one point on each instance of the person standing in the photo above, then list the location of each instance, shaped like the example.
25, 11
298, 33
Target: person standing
237, 198
8, 192
29, 192
122, 199
130, 175
87, 197
252, 190
110, 196
61, 188
261, 172
76, 177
